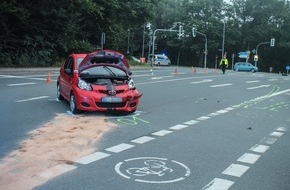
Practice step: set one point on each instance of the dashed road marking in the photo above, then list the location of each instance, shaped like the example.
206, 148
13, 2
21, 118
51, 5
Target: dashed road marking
260, 148
218, 184
235, 170
268, 140
249, 158
203, 118
31, 99
119, 148
191, 122
221, 85
92, 157
276, 134
178, 127
22, 84
142, 140
162, 133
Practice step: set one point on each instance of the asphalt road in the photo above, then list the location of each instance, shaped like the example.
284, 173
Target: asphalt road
192, 130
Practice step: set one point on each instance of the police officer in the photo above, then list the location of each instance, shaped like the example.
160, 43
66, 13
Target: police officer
224, 64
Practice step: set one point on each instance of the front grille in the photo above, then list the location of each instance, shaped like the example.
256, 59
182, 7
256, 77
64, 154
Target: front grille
110, 105
107, 91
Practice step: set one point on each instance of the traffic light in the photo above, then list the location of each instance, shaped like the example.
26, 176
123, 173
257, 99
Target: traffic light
193, 31
272, 43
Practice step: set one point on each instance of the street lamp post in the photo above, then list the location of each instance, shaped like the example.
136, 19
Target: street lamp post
223, 46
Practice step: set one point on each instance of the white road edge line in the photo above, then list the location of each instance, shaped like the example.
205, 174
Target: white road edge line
260, 148
162, 133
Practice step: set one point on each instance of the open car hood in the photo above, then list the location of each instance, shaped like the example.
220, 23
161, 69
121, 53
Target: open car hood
104, 57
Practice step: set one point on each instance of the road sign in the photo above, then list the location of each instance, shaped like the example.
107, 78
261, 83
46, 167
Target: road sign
287, 67
256, 57
243, 55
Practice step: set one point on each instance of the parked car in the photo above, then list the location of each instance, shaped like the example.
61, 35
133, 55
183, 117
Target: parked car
98, 81
160, 59
243, 66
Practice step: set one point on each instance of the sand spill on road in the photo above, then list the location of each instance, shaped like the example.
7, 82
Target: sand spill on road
51, 150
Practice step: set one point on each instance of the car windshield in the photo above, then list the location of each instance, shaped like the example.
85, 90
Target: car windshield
104, 71
79, 60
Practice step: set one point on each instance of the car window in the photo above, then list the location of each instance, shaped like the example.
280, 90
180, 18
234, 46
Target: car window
69, 64
106, 71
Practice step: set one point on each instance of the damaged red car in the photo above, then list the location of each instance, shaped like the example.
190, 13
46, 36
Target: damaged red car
99, 81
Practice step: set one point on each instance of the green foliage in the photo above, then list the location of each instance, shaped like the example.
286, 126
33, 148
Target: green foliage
42, 33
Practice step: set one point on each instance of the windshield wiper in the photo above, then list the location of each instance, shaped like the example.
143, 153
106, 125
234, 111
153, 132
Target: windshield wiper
109, 70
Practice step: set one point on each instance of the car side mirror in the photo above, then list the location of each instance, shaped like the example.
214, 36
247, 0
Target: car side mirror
67, 71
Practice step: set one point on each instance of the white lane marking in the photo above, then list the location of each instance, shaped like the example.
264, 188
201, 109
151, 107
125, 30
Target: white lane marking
221, 85
202, 81
22, 84
161, 77
213, 114
171, 80
218, 184
162, 133
178, 127
283, 129
236, 170
31, 99
272, 79
267, 140
229, 108
191, 122
222, 111
92, 157
256, 87
276, 134
278, 93
253, 81
119, 148
203, 118
142, 140
249, 158
56, 171
260, 148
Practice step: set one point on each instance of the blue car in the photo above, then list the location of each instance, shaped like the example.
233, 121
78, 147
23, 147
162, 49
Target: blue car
243, 66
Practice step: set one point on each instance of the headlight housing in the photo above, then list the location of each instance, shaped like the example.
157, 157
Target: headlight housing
131, 84
84, 85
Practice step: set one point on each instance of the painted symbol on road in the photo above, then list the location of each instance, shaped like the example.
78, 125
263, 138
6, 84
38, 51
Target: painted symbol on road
152, 170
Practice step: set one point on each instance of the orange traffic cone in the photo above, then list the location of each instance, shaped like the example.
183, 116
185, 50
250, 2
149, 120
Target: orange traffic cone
48, 80
194, 70
176, 71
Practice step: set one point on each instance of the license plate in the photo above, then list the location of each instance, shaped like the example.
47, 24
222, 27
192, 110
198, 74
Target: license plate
111, 99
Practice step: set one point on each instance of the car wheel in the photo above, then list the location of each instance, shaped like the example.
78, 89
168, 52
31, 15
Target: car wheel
59, 96
237, 70
252, 70
72, 104
158, 64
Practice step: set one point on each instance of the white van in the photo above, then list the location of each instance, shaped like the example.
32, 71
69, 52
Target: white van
160, 59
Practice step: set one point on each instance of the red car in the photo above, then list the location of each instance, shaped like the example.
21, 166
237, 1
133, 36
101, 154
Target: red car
98, 81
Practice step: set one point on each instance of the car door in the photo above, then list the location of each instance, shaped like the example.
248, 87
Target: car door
66, 77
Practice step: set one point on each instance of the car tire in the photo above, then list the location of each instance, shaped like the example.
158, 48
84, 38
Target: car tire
252, 70
72, 104
58, 94
158, 64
